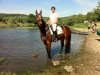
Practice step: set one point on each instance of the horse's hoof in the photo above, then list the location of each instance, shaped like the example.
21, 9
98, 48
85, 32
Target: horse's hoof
67, 54
50, 59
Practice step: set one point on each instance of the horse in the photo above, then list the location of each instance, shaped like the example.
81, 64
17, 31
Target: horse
46, 36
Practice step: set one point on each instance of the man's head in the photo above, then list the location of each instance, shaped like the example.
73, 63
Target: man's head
53, 9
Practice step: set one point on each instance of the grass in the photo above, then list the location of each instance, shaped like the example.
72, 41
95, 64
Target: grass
22, 26
17, 24
80, 25
7, 73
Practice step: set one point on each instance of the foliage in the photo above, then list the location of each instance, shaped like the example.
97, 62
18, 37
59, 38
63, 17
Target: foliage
31, 18
95, 14
71, 20
80, 25
18, 19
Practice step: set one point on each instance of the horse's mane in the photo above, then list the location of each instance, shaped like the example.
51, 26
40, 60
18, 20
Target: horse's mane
43, 29
43, 23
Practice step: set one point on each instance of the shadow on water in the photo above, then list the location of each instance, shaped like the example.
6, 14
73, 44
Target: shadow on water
23, 49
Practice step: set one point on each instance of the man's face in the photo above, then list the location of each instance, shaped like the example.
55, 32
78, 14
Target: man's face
53, 10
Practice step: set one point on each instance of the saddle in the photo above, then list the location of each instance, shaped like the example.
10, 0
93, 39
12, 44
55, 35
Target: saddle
58, 30
54, 33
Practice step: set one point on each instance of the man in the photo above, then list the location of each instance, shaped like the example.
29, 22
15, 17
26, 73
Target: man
53, 20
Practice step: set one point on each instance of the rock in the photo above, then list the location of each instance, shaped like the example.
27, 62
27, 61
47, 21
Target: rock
55, 63
97, 68
35, 56
68, 68
44, 70
63, 61
81, 64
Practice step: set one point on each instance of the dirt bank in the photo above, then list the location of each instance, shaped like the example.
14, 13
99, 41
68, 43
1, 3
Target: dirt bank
92, 57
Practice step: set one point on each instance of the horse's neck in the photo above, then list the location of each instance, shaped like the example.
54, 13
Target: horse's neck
43, 28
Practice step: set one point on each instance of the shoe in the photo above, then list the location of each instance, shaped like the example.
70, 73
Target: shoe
54, 39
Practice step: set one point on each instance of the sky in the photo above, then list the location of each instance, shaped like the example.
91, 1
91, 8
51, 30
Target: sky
63, 7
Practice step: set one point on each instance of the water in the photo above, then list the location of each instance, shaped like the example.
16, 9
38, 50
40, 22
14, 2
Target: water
20, 46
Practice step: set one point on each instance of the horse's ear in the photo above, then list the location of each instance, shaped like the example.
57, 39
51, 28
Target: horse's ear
36, 12
41, 12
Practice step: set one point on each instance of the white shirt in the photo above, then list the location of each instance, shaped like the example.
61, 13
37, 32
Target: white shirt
53, 17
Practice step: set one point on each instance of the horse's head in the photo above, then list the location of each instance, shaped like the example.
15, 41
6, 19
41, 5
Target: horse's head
39, 18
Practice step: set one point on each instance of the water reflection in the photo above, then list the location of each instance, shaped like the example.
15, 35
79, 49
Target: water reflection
20, 46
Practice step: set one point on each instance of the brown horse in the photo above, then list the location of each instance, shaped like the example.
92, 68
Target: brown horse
46, 36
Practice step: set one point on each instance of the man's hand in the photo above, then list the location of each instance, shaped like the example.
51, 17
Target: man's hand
47, 23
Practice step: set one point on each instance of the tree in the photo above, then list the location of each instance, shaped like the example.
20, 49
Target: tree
97, 11
80, 18
98, 7
91, 16
31, 18
1, 19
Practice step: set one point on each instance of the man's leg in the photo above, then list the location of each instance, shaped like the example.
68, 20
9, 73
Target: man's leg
53, 36
55, 31
51, 27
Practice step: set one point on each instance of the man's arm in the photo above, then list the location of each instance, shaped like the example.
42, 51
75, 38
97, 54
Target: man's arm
49, 21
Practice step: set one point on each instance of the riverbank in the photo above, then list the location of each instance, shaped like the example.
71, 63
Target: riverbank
92, 47
16, 24
83, 27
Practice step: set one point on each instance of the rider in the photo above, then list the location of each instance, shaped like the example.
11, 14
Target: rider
53, 20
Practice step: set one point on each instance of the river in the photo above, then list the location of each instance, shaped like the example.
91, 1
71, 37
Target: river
23, 49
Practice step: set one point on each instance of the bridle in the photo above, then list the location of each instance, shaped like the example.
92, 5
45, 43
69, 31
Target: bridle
38, 20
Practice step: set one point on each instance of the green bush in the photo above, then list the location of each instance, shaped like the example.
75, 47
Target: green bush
31, 18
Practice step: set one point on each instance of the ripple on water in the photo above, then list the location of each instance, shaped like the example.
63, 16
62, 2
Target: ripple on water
19, 47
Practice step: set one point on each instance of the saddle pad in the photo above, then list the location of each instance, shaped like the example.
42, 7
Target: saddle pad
59, 30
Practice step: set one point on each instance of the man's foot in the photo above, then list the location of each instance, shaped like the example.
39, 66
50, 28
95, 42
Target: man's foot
55, 39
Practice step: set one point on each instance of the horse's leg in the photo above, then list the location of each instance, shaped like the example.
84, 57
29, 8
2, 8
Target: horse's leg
67, 47
62, 45
48, 48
